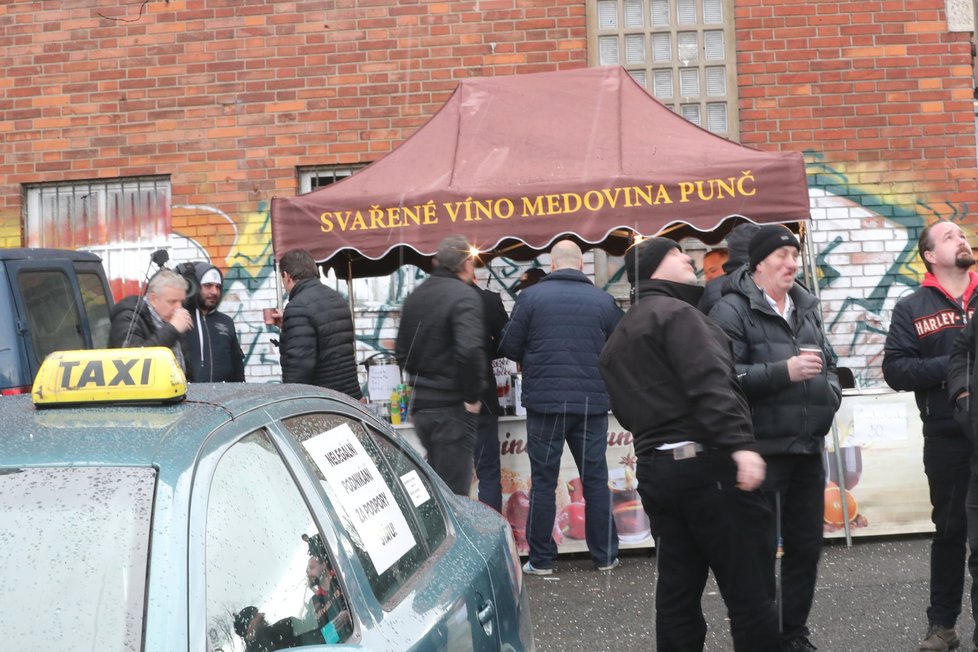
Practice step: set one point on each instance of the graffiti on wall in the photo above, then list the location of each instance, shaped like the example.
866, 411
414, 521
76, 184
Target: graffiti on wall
866, 257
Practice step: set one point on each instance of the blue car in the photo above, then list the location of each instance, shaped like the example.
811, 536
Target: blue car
234, 517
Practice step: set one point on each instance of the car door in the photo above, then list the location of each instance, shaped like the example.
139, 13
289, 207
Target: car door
263, 574
424, 577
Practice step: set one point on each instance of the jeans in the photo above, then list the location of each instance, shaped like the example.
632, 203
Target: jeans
948, 469
587, 437
487, 460
448, 435
795, 486
701, 521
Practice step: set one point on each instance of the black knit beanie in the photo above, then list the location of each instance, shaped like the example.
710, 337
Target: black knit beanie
650, 253
768, 238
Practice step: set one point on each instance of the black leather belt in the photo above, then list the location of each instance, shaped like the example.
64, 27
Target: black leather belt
684, 452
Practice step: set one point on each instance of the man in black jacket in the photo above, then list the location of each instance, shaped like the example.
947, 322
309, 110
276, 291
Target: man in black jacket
669, 373
158, 319
787, 370
441, 344
318, 344
737, 242
922, 332
487, 463
213, 352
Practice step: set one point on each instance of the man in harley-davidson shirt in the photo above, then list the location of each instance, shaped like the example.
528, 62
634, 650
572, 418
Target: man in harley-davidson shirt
922, 330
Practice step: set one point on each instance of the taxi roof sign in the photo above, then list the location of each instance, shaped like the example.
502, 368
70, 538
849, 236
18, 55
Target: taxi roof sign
142, 375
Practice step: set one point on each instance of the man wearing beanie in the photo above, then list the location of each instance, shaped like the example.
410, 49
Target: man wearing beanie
669, 373
213, 352
787, 370
925, 327
737, 242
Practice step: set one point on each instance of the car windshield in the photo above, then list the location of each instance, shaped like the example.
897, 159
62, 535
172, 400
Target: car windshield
73, 547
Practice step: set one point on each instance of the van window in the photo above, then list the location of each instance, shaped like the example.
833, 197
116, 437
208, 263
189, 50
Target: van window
52, 314
96, 307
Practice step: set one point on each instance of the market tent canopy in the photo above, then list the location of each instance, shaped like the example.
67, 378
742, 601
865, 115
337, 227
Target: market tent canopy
513, 163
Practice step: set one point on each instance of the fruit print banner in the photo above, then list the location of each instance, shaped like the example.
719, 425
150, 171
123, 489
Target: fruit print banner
883, 480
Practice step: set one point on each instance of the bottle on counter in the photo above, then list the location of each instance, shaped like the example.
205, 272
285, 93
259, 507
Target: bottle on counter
395, 406
405, 402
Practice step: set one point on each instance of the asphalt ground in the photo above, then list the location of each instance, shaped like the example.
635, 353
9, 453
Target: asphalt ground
869, 598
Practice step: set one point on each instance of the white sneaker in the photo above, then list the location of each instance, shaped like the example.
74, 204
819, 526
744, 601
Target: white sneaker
612, 566
528, 569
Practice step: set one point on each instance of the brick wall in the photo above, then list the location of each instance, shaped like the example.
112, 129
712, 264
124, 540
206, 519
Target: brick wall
880, 99
229, 96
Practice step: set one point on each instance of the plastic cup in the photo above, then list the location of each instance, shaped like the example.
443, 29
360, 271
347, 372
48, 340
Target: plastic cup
270, 316
811, 351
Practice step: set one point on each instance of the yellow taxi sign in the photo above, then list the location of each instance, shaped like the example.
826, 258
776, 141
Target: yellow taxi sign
150, 374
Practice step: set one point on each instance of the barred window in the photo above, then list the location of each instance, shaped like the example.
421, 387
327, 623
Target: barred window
313, 177
122, 220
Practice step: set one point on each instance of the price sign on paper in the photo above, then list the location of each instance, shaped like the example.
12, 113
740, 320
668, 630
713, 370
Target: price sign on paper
878, 422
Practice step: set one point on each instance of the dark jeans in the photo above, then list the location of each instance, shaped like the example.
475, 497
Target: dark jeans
487, 460
448, 435
701, 521
948, 469
797, 484
587, 438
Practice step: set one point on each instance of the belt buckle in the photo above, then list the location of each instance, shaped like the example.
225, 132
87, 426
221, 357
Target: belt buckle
684, 452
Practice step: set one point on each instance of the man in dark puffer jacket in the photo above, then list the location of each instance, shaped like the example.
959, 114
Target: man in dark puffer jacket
317, 346
793, 396
441, 343
557, 331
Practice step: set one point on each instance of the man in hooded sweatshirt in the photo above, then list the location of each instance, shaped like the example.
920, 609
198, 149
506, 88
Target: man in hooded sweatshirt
670, 375
213, 352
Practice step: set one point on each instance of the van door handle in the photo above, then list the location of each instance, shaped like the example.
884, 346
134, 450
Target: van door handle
485, 616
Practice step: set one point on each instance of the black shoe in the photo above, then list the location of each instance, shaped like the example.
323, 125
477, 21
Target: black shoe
798, 644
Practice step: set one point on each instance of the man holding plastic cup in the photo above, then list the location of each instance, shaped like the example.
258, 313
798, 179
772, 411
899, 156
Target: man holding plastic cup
787, 370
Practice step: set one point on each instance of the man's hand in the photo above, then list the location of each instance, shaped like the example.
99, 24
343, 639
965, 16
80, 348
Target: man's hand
804, 367
750, 469
181, 320
473, 408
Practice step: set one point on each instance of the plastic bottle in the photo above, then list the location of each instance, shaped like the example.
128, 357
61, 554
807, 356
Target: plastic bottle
395, 407
405, 397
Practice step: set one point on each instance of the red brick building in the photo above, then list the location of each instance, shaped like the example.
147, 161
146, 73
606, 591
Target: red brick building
128, 125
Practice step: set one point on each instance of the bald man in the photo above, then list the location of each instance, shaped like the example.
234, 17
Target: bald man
557, 331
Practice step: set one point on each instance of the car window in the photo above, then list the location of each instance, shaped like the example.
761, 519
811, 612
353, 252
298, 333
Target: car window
376, 505
73, 550
52, 314
271, 582
419, 488
96, 307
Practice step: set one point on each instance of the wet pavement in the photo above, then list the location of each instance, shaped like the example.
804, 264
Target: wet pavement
870, 598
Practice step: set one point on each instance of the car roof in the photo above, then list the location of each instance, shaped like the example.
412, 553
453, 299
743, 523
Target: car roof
134, 435
40, 253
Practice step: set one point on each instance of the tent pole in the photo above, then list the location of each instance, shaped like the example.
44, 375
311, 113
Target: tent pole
811, 279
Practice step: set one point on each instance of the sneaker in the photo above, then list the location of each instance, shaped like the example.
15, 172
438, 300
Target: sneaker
939, 639
612, 566
528, 569
798, 644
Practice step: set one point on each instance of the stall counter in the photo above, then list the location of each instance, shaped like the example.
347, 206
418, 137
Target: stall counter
878, 433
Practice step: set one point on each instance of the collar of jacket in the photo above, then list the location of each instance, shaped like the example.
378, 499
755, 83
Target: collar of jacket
566, 274
298, 287
930, 281
444, 273
657, 287
743, 282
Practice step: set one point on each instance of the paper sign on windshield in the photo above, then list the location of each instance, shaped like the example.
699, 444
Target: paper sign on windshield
362, 494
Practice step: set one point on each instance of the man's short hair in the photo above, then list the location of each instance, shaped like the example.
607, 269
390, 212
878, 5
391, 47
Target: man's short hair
565, 254
926, 243
166, 279
452, 253
299, 264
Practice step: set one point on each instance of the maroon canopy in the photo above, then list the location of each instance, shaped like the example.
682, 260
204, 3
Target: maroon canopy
512, 163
